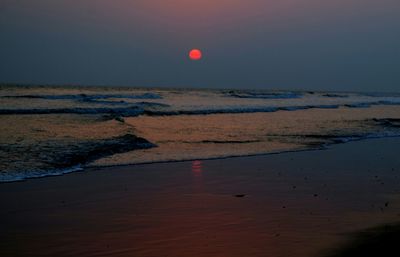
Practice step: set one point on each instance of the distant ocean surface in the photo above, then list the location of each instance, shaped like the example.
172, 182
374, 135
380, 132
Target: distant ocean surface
55, 130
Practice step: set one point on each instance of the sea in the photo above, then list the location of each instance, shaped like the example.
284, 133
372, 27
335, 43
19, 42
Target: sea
54, 130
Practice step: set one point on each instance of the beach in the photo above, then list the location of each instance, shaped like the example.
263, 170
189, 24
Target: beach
303, 203
120, 171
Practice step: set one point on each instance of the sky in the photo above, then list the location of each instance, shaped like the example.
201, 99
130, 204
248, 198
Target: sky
341, 45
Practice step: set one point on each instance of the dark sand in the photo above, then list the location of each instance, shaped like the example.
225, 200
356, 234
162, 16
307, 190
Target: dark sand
292, 204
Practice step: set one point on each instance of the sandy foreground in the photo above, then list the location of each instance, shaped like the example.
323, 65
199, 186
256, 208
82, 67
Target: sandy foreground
291, 204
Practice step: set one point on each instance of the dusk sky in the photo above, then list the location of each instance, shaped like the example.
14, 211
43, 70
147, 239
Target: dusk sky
270, 44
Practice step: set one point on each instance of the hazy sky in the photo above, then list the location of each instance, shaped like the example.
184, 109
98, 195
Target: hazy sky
282, 44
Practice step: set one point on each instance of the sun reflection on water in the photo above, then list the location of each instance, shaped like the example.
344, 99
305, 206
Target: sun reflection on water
197, 168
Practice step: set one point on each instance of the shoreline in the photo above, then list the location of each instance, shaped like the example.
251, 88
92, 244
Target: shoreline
86, 168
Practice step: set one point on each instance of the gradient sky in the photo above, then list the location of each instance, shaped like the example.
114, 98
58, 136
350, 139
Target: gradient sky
271, 44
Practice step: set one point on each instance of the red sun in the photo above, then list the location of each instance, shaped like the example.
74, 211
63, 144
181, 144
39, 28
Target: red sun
195, 54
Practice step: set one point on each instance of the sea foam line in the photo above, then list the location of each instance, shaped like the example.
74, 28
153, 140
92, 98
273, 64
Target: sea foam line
142, 109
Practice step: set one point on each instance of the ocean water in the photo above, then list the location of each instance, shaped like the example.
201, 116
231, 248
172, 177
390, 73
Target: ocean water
55, 130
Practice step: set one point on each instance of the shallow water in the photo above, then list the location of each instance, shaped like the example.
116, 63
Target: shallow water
42, 125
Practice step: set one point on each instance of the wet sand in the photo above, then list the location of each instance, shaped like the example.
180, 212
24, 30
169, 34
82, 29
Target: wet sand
291, 204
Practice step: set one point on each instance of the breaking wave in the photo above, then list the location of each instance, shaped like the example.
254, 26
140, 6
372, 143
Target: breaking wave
263, 95
158, 109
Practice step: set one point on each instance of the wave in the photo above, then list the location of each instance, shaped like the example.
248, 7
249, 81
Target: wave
156, 109
236, 110
379, 94
88, 97
334, 140
78, 161
133, 110
369, 104
23, 175
61, 158
333, 95
263, 95
328, 139
388, 122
